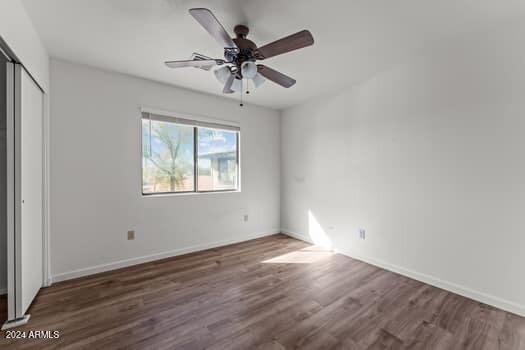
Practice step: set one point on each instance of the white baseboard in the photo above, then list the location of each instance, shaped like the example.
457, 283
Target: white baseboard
488, 299
152, 257
296, 235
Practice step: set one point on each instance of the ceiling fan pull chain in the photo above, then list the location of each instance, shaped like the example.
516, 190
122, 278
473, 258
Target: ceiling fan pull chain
247, 86
241, 104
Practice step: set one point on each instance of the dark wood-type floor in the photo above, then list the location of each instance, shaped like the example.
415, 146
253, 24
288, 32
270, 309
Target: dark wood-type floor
234, 298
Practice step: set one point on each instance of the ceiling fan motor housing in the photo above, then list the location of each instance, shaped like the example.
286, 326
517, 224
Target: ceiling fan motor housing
245, 52
241, 31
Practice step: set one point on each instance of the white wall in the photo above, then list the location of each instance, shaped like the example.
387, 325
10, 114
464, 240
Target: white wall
17, 30
428, 157
95, 174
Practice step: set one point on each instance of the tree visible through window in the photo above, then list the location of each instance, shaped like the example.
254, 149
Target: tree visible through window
177, 157
168, 162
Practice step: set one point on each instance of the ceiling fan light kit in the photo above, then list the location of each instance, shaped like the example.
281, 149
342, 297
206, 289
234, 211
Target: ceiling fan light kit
258, 80
241, 55
248, 70
222, 74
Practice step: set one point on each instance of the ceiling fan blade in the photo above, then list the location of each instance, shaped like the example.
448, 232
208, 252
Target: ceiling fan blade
275, 76
200, 56
292, 42
208, 20
197, 63
228, 86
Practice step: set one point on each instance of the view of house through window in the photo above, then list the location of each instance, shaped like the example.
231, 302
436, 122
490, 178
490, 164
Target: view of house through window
180, 157
217, 157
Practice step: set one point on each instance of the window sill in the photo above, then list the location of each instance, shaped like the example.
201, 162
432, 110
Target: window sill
181, 194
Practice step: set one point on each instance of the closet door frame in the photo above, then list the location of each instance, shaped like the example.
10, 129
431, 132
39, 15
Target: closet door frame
12, 210
14, 72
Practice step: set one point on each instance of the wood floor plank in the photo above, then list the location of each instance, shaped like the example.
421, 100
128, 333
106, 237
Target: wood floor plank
270, 293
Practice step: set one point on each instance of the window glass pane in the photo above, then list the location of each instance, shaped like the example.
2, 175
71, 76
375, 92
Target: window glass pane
167, 157
217, 159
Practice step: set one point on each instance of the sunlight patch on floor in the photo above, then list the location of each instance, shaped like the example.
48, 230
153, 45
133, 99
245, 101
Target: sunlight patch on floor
307, 255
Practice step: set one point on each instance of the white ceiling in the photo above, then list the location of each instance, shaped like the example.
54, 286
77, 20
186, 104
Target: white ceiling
353, 39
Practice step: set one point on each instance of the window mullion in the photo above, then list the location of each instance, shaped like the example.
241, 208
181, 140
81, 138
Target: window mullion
195, 160
237, 155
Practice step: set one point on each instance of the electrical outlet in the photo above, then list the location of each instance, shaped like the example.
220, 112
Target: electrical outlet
362, 233
131, 235
245, 217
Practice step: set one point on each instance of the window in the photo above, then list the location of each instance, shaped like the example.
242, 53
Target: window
181, 155
217, 157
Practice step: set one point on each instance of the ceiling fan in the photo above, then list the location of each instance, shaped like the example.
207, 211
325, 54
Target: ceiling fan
240, 54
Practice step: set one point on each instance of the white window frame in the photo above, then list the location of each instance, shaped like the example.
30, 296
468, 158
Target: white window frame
181, 118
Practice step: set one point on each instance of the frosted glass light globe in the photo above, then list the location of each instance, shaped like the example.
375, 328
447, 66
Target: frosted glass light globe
248, 70
236, 85
258, 80
222, 74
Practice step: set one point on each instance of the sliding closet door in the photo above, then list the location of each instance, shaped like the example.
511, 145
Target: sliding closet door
31, 165
25, 247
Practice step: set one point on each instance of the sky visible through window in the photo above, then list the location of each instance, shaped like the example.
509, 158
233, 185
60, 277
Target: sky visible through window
216, 141
157, 143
